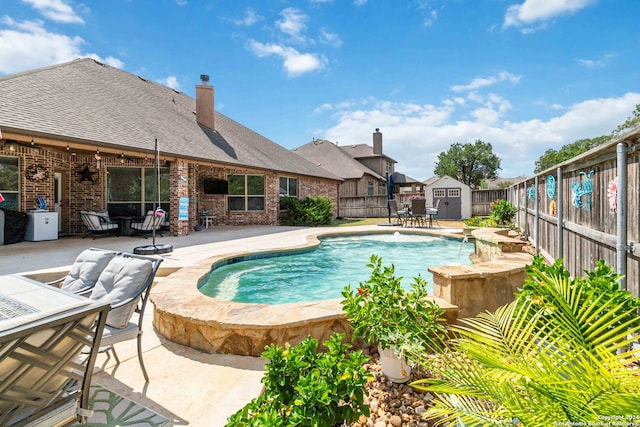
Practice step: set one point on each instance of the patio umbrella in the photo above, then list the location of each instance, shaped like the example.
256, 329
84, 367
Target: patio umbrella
162, 248
389, 194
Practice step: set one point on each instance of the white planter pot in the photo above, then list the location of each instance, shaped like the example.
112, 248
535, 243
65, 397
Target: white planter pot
395, 369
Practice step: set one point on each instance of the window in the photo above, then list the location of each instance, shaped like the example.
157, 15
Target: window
453, 192
246, 192
382, 188
440, 192
288, 186
9, 179
369, 188
389, 167
130, 190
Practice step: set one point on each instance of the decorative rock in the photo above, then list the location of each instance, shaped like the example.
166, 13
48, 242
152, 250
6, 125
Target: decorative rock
396, 421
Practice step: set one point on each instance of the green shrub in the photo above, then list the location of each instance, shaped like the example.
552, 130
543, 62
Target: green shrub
309, 389
310, 211
502, 212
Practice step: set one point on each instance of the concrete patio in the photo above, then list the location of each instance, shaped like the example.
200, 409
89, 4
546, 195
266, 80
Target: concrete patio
187, 386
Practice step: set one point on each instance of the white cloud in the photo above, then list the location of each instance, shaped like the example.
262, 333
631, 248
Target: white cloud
250, 18
597, 63
360, 2
294, 62
181, 2
538, 12
172, 82
293, 23
431, 19
55, 10
330, 38
415, 134
481, 82
26, 45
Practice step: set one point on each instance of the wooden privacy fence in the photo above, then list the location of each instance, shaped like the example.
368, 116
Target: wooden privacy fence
587, 209
481, 201
363, 207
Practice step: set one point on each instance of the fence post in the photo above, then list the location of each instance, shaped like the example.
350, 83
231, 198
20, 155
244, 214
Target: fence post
621, 216
536, 225
560, 212
526, 210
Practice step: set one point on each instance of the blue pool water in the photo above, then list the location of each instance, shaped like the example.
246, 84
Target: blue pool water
322, 273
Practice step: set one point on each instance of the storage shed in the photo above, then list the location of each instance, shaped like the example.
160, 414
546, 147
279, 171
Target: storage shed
454, 196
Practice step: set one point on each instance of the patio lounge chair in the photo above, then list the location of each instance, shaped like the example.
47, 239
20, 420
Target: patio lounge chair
98, 224
148, 224
85, 271
44, 378
125, 284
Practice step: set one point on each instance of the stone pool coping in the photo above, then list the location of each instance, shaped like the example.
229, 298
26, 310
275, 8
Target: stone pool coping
184, 315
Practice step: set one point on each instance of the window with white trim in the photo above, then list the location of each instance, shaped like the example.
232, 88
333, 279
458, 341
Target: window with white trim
369, 188
453, 192
440, 192
288, 186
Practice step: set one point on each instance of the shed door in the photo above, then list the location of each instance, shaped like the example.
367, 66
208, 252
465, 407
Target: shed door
450, 202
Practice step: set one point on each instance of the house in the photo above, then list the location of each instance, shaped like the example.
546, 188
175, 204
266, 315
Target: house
363, 168
452, 196
81, 134
406, 188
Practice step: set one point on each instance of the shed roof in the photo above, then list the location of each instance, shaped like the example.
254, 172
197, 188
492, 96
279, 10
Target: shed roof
94, 103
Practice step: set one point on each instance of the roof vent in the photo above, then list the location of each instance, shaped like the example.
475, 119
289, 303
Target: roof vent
204, 78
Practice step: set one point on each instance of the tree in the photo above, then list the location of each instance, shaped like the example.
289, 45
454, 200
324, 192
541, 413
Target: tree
469, 163
631, 122
553, 157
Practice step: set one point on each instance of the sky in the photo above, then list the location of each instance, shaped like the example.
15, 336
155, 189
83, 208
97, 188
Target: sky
523, 75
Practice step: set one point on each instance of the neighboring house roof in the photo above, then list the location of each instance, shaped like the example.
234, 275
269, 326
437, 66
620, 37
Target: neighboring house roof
361, 151
334, 159
400, 178
90, 102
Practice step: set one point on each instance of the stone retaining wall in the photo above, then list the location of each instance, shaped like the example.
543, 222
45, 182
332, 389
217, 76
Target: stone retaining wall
498, 272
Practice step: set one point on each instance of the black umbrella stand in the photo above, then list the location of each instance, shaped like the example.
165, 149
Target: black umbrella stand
161, 248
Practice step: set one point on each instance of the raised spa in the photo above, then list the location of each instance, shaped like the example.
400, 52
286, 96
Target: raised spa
322, 273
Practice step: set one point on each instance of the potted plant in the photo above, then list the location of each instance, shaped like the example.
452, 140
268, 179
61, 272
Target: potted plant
382, 312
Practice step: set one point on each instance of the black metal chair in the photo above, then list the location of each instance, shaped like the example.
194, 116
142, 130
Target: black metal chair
418, 212
98, 224
433, 212
402, 216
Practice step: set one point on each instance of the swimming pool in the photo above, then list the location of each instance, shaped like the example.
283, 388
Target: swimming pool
323, 272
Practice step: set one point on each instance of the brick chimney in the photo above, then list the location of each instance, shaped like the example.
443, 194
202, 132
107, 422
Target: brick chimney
205, 113
377, 142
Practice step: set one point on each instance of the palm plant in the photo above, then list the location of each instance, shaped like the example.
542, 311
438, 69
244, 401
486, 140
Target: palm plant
558, 355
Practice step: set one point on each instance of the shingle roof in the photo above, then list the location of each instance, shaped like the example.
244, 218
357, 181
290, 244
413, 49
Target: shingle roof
360, 151
96, 103
332, 158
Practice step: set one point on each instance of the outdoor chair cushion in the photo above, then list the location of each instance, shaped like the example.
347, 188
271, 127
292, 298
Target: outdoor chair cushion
122, 279
86, 269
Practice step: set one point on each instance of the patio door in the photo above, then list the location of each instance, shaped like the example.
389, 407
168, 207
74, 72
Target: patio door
58, 197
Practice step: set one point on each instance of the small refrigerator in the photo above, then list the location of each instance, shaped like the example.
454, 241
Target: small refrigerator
41, 225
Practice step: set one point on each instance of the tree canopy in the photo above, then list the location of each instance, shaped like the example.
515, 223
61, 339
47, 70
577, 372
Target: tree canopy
470, 163
553, 157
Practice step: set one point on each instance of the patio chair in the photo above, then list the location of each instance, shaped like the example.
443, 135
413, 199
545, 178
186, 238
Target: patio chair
432, 212
44, 377
402, 216
418, 212
125, 284
146, 226
98, 224
85, 271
